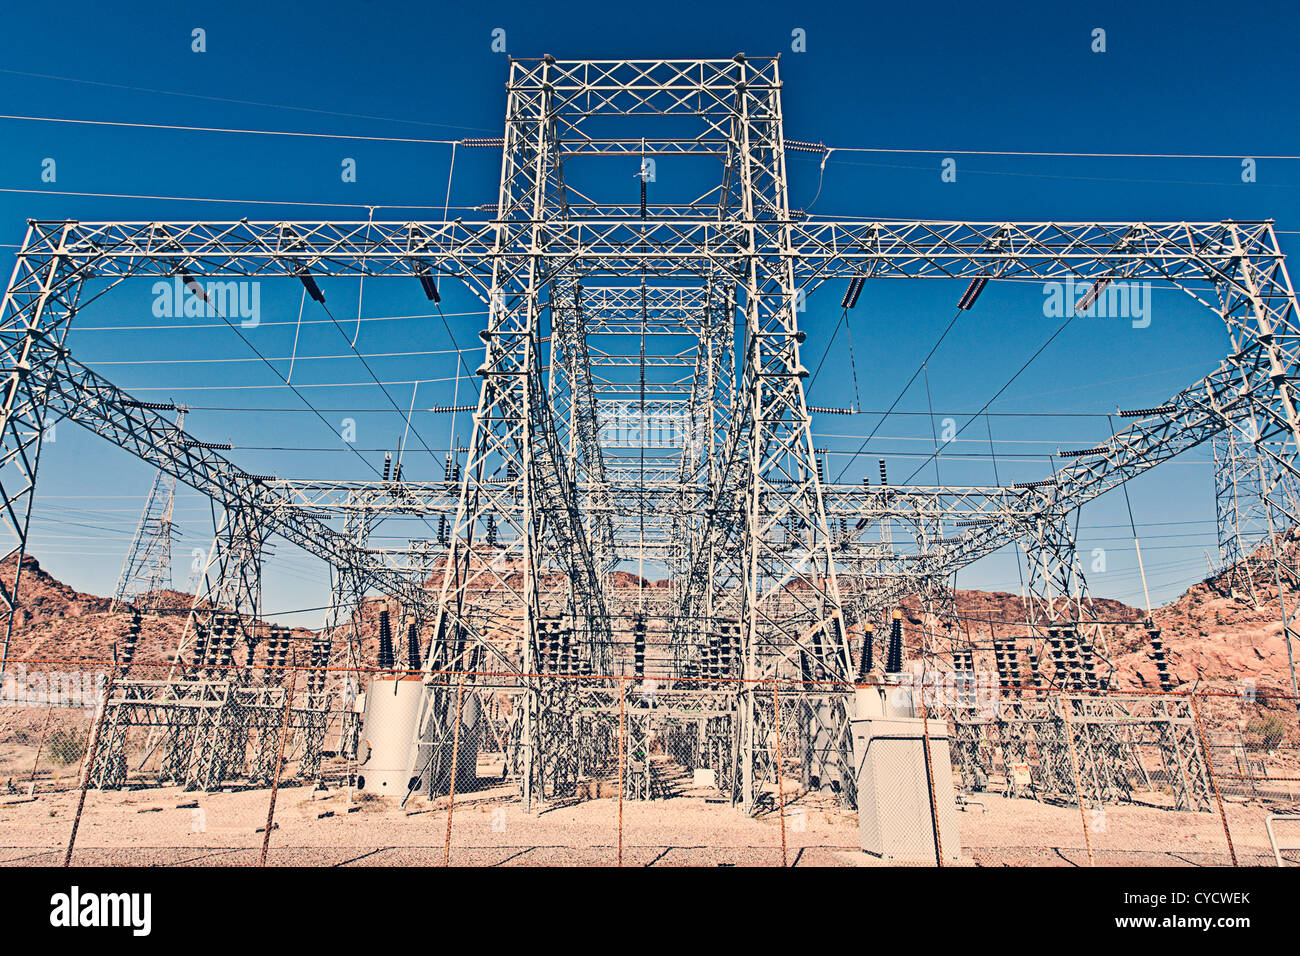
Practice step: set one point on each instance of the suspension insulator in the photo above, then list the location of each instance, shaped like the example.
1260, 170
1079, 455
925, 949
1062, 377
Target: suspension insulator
894, 659
865, 657
413, 646
385, 641
133, 627
638, 646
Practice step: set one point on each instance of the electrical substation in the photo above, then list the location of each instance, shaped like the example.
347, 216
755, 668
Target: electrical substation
639, 411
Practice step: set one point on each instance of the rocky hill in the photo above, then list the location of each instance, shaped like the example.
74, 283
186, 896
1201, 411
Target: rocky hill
1216, 640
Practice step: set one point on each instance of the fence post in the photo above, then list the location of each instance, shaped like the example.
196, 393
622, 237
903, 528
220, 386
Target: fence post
1209, 772
455, 767
279, 754
780, 784
1074, 767
929, 775
91, 749
622, 738
40, 746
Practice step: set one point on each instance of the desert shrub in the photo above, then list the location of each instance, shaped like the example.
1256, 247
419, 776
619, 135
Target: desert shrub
1266, 732
65, 746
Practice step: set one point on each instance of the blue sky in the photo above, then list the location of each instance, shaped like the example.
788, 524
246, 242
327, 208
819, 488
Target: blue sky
1212, 80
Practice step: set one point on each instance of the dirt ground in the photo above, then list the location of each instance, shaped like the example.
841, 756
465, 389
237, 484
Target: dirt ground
168, 826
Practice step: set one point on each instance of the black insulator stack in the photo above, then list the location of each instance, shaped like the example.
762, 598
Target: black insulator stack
865, 657
972, 292
894, 657
413, 646
272, 650
449, 468
963, 665
228, 645
133, 627
1087, 301
216, 643
1007, 662
1056, 647
277, 653
491, 531
430, 288
643, 196
546, 651
556, 645
320, 657
638, 646
1073, 663
1088, 657
200, 643
1035, 674
312, 288
730, 647
852, 292
821, 471
566, 650
512, 470
884, 479
1160, 654
388, 464
442, 529
385, 642
724, 648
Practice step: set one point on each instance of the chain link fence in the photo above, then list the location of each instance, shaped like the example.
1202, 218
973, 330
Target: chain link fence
177, 765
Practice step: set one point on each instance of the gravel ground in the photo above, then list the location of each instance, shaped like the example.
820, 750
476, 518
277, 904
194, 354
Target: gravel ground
170, 827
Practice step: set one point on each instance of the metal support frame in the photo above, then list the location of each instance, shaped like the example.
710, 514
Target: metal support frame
731, 502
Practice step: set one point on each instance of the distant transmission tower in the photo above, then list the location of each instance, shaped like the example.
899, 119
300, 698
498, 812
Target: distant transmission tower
1254, 501
148, 565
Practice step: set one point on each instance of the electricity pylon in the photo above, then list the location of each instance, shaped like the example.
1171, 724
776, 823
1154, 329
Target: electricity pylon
148, 565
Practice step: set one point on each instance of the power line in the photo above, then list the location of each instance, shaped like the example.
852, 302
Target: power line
219, 129
227, 99
241, 202
900, 395
1047, 153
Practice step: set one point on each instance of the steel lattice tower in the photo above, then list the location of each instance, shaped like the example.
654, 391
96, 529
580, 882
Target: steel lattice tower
606, 319
148, 565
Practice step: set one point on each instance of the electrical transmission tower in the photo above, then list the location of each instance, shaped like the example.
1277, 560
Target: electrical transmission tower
148, 565
641, 403
1254, 501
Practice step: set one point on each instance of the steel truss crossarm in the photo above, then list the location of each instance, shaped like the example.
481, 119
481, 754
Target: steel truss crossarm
85, 397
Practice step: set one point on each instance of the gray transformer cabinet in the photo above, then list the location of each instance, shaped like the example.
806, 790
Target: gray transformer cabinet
895, 819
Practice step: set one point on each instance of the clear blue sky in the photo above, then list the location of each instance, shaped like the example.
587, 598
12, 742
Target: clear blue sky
1204, 79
